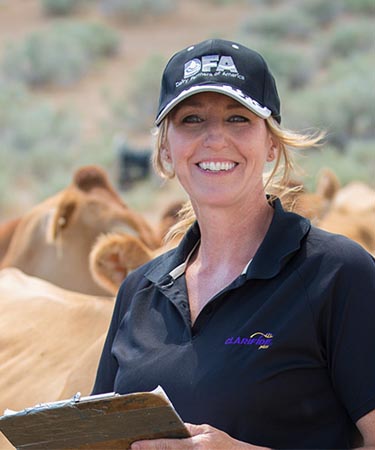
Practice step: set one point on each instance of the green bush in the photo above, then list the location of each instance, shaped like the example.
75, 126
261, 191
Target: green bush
323, 12
283, 23
291, 65
360, 6
26, 124
267, 3
60, 7
136, 110
348, 38
341, 102
41, 148
60, 55
356, 163
36, 141
136, 9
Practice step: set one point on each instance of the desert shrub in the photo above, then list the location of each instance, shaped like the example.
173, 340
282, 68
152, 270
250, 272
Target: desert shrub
341, 102
59, 55
60, 7
40, 148
136, 110
283, 23
360, 6
323, 12
225, 2
348, 165
135, 9
291, 65
36, 140
353, 94
364, 154
347, 38
26, 123
265, 2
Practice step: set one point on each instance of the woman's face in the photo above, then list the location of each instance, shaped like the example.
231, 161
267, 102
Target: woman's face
218, 149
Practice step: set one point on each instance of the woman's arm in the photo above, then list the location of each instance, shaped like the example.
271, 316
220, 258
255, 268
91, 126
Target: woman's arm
203, 437
366, 426
206, 437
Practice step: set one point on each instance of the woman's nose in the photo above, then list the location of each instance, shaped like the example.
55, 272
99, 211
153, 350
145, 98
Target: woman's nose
214, 136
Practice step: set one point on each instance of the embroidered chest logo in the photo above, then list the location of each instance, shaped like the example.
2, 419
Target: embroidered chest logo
259, 339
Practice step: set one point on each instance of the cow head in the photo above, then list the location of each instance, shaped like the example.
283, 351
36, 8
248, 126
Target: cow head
91, 204
53, 240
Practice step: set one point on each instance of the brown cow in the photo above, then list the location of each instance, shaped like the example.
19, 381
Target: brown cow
313, 205
7, 230
54, 239
355, 198
44, 332
352, 214
358, 227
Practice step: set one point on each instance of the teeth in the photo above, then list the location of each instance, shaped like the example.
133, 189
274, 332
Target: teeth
216, 166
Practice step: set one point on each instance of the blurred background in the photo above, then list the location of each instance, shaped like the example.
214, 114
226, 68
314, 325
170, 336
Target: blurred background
79, 83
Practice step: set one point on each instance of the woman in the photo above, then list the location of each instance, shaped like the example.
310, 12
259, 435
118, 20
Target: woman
257, 324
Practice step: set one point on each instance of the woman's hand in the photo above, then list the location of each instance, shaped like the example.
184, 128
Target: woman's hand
203, 437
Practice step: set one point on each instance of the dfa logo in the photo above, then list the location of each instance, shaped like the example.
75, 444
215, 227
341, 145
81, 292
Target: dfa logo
209, 63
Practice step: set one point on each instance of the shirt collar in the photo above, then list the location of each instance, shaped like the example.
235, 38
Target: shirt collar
283, 239
181, 269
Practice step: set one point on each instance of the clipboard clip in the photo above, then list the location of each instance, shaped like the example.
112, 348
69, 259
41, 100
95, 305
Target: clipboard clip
77, 397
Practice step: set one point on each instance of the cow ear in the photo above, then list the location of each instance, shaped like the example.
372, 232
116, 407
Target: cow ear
87, 178
60, 218
113, 256
328, 184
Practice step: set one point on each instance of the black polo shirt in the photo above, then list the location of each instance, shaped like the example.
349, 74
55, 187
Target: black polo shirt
283, 357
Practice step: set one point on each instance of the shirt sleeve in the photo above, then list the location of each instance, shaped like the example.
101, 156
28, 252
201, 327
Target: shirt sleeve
107, 369
350, 330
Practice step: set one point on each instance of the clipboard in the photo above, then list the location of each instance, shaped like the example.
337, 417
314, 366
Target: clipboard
106, 422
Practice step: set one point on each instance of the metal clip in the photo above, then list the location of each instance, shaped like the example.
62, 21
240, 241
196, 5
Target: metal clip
77, 397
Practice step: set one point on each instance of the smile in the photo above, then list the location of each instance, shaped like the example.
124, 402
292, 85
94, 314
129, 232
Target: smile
212, 166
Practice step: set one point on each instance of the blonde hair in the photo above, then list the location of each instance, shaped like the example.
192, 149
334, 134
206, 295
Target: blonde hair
276, 181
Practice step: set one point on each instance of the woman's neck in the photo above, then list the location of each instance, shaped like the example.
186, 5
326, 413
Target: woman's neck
232, 237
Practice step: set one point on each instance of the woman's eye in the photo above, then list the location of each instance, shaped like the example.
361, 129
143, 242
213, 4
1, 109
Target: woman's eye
192, 118
238, 119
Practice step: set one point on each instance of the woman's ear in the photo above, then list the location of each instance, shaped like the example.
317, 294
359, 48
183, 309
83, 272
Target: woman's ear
166, 160
165, 155
272, 151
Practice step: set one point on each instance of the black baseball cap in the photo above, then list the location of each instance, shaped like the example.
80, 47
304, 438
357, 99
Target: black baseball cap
217, 65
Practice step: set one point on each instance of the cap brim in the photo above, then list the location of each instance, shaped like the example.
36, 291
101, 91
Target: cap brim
236, 94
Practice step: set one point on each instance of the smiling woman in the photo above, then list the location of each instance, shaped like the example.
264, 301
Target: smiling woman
248, 324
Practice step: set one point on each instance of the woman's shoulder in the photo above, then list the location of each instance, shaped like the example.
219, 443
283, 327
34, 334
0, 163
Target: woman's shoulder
339, 249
